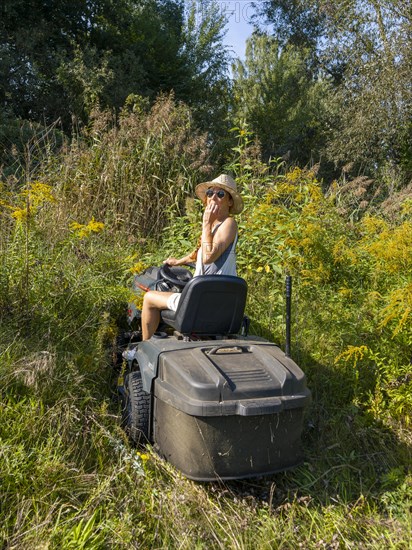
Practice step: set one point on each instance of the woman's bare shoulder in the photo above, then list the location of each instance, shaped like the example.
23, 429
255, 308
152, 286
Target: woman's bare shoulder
227, 229
229, 223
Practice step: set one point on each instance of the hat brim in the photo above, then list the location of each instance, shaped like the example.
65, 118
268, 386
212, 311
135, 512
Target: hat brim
237, 205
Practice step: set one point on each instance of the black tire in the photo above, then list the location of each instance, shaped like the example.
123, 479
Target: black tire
136, 408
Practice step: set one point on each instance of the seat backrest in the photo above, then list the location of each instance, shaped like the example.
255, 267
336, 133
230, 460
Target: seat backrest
209, 304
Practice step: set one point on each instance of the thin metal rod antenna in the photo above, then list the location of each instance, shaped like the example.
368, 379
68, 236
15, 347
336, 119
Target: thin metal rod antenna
288, 313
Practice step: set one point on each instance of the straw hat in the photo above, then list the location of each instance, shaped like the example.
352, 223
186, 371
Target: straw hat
228, 184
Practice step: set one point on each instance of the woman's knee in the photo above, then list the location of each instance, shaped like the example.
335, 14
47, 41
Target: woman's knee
156, 299
147, 299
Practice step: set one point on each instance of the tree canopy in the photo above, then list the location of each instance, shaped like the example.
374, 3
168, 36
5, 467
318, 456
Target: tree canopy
330, 83
364, 47
61, 58
279, 98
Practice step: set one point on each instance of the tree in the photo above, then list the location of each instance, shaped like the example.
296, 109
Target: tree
277, 96
297, 22
61, 59
365, 46
374, 99
207, 61
57, 55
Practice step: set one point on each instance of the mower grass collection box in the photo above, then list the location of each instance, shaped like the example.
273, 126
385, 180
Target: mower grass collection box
225, 408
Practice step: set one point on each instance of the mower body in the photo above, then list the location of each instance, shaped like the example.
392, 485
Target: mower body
212, 400
224, 408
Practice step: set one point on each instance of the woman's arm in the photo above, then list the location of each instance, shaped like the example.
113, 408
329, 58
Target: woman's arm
190, 258
213, 246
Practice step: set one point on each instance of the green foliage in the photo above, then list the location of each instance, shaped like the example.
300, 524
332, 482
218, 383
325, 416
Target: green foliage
206, 60
363, 47
276, 95
84, 80
129, 174
370, 112
69, 478
85, 55
25, 146
54, 278
357, 273
294, 22
48, 57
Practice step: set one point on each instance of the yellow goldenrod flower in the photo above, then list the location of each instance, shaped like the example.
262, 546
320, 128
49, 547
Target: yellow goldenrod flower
85, 230
355, 353
38, 193
5, 204
138, 268
20, 214
143, 456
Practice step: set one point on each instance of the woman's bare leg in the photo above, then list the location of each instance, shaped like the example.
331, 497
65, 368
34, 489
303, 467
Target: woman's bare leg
153, 302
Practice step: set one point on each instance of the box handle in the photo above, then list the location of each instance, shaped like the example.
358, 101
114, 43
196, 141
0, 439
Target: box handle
217, 349
259, 407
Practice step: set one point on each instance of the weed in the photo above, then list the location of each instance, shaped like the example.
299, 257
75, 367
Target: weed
71, 238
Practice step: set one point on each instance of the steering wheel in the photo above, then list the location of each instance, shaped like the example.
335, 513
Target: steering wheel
177, 276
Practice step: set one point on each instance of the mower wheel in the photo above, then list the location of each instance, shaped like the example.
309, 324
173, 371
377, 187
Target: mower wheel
136, 408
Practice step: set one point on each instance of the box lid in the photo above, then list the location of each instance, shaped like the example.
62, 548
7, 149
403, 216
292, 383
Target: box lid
230, 377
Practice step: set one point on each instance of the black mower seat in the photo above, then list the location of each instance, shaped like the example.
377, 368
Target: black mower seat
210, 304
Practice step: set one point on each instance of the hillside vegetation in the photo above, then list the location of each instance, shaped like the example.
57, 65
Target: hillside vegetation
117, 199
110, 114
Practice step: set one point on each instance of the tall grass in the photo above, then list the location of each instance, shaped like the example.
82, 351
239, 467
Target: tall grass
129, 172
68, 476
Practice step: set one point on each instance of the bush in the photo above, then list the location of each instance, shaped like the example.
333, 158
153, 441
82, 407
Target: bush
129, 173
70, 478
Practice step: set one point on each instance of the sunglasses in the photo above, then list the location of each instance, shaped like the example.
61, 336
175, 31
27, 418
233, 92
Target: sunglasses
220, 194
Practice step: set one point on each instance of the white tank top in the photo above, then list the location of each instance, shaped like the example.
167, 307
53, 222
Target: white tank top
224, 265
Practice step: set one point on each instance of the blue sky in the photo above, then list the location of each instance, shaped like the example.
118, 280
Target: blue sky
239, 28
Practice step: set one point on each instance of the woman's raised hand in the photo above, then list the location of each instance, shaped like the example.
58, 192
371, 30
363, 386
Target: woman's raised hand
210, 213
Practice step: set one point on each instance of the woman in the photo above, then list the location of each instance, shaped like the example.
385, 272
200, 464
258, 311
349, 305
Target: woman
216, 253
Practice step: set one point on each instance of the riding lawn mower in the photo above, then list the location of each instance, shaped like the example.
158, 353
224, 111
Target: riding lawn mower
214, 401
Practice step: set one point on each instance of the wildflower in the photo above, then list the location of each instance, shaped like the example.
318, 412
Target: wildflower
5, 204
38, 193
20, 214
399, 309
137, 300
372, 225
295, 174
85, 230
345, 292
406, 207
355, 353
143, 456
138, 268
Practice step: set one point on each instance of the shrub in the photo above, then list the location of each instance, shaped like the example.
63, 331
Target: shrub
129, 173
351, 280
